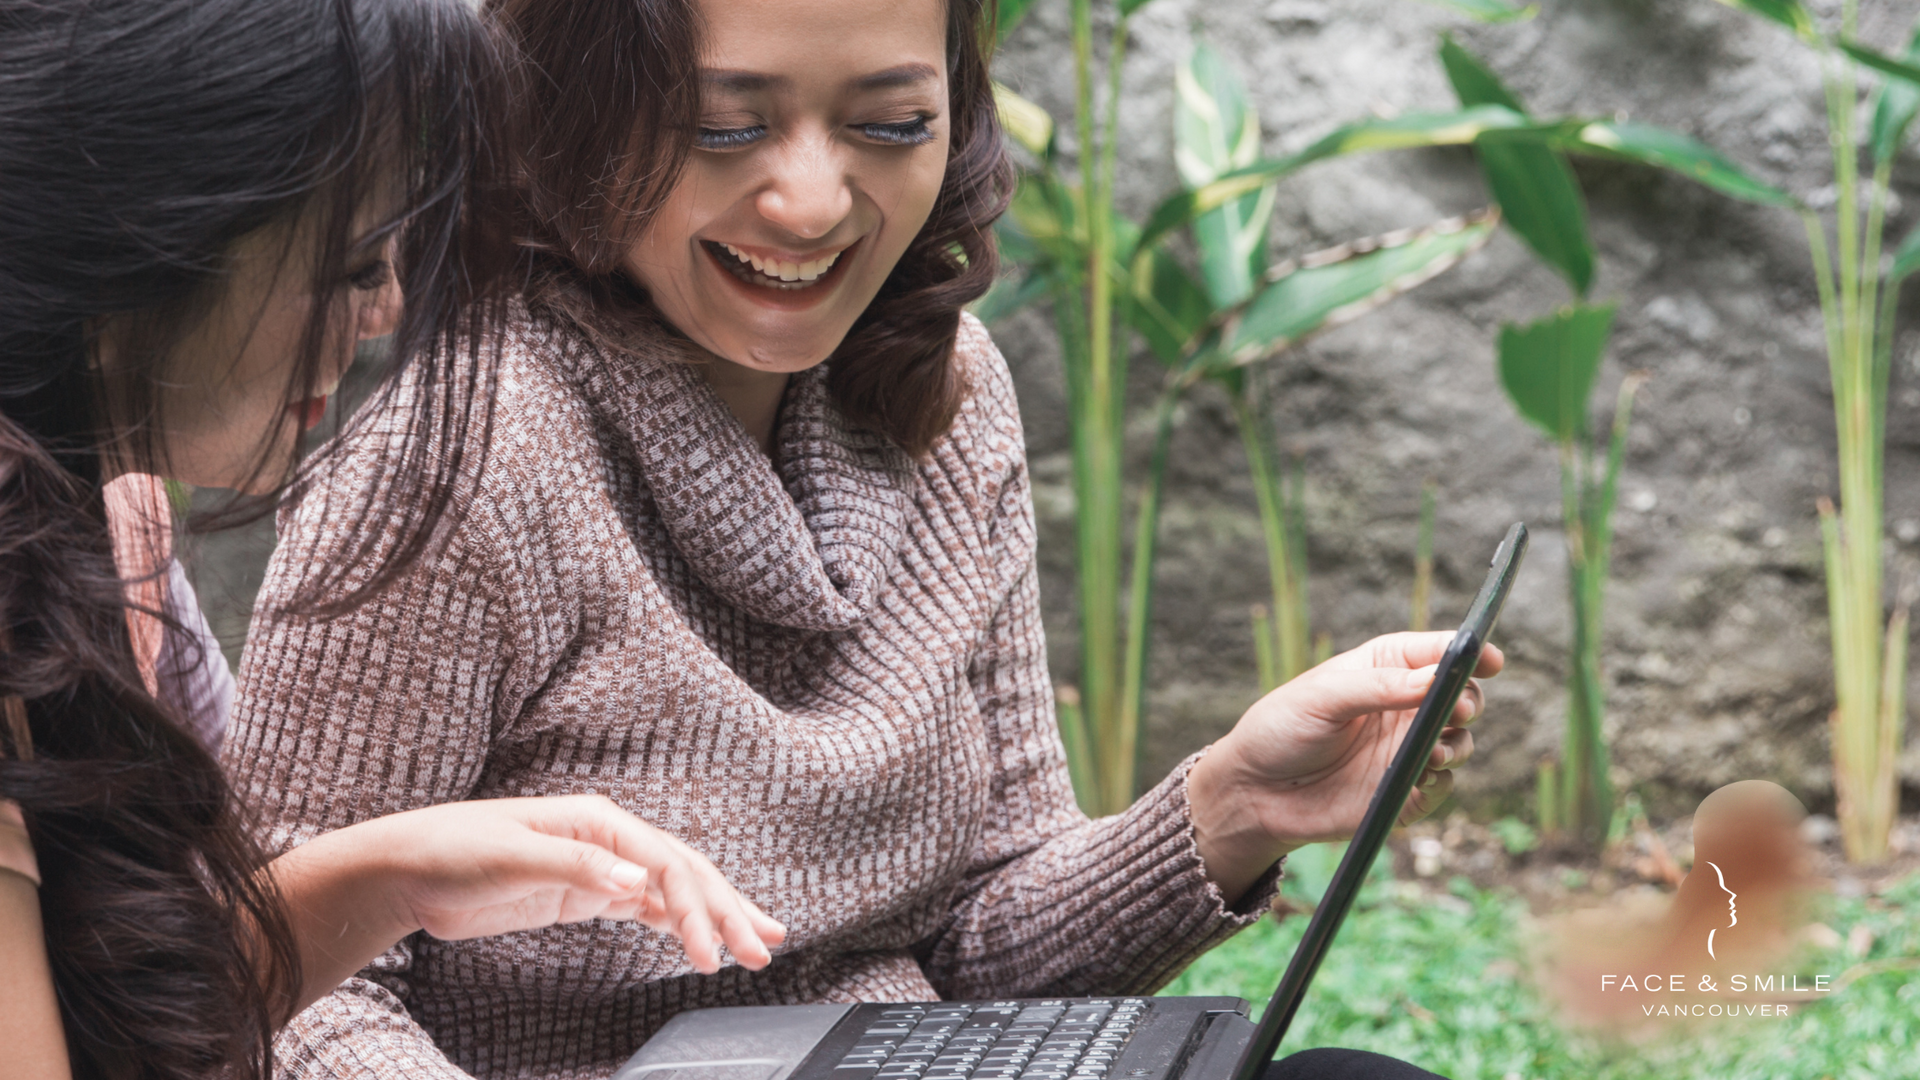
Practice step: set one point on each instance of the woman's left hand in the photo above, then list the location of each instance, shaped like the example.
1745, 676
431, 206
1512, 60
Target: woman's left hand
1303, 763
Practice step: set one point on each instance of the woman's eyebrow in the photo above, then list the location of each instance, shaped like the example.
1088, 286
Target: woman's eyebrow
749, 81
743, 81
900, 75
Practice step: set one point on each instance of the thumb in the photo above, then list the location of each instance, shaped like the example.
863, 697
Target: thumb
1340, 695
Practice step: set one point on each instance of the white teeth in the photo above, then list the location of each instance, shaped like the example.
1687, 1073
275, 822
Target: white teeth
785, 271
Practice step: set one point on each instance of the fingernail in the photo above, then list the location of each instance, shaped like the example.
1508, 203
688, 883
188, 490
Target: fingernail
627, 876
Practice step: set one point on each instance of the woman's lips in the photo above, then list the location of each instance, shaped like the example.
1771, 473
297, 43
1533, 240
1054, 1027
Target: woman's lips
310, 412
769, 286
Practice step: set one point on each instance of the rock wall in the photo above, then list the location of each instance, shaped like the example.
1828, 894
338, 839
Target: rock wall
1716, 647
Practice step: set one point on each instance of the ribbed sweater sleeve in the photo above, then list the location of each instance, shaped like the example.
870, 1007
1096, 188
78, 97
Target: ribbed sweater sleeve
1056, 904
345, 719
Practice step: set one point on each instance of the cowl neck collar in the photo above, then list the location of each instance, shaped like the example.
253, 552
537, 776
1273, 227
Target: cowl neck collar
810, 546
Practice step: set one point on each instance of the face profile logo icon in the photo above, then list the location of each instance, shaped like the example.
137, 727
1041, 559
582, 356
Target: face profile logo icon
1733, 913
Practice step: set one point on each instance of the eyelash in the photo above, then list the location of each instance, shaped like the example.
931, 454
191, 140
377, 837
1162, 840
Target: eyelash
730, 138
905, 133
371, 276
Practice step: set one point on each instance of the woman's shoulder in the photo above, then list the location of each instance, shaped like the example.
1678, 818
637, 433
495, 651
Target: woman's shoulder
983, 456
988, 425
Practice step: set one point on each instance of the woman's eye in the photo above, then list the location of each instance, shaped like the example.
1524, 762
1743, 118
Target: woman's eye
372, 276
903, 133
729, 138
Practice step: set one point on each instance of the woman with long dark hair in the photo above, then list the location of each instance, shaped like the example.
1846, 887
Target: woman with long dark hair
204, 206
753, 554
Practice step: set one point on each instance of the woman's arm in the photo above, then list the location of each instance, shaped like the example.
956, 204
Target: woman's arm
36, 1044
389, 708
496, 866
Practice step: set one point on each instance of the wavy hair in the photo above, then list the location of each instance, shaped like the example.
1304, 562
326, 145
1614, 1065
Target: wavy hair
140, 141
606, 121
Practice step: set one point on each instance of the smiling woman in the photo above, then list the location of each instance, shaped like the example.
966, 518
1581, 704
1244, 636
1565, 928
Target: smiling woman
753, 556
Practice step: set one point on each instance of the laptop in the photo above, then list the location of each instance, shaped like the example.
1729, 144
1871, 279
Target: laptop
1091, 1038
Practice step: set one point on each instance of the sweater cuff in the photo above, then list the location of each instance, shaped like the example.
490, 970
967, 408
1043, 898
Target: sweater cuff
1258, 899
1181, 911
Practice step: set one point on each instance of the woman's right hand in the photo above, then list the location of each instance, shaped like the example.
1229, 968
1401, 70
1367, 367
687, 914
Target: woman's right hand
474, 869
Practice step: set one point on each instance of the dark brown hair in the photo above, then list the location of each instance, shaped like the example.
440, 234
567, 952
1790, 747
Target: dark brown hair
606, 124
141, 140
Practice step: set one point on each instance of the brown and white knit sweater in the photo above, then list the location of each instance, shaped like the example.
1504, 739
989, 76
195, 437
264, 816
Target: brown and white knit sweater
828, 677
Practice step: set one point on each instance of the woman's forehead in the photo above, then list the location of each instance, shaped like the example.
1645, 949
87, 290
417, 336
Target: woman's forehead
864, 44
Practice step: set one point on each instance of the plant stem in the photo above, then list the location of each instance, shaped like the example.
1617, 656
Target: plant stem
1865, 727
1098, 435
1290, 640
1140, 591
1585, 790
1421, 614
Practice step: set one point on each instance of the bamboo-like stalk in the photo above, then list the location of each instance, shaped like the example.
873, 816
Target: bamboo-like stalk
1140, 589
1420, 613
1546, 796
1096, 446
1265, 652
1288, 630
1869, 655
1589, 491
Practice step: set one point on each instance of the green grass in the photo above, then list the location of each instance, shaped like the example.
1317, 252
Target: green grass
1436, 981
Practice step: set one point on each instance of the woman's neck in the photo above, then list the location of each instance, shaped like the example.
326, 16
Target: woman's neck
751, 394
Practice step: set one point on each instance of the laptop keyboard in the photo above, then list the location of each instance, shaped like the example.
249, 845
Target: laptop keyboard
1074, 1040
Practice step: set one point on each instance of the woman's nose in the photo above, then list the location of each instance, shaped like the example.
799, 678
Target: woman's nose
809, 193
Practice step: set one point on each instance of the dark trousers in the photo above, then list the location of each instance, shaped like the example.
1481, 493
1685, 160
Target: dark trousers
1329, 1063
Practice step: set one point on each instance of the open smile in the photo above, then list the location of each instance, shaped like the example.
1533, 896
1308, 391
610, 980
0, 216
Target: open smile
775, 273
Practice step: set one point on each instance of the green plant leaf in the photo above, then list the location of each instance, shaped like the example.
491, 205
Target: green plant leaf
1128, 7
1539, 195
1515, 835
1907, 259
1533, 184
1215, 132
1473, 82
1160, 299
1894, 111
1008, 16
1023, 121
1881, 62
1671, 150
1039, 208
1548, 367
1489, 11
179, 496
1788, 13
1009, 294
1401, 132
1334, 286
1167, 307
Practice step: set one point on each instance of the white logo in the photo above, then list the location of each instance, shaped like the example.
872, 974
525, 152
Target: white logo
1732, 913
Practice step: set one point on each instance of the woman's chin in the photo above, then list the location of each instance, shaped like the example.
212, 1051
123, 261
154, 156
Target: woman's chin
774, 351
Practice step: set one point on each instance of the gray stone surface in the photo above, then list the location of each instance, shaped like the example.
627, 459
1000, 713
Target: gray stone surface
1716, 625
